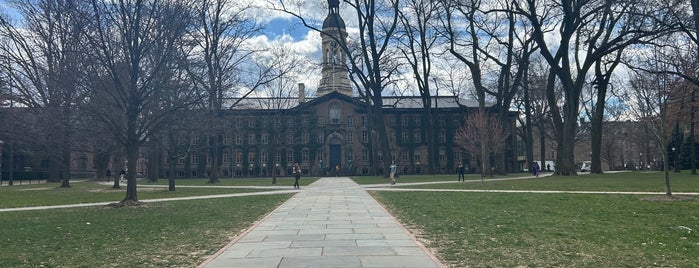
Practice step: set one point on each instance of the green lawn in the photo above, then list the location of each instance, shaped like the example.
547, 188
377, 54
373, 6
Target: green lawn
550, 230
619, 182
89, 192
364, 180
466, 229
166, 234
562, 230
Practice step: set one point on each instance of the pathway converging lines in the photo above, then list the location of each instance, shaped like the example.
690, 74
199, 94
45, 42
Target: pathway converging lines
331, 223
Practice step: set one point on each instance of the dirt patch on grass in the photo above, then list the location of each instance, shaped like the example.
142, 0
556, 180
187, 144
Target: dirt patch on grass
35, 189
667, 198
128, 204
123, 189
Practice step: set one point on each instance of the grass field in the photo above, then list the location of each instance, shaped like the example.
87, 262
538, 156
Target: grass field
619, 182
166, 234
555, 230
465, 229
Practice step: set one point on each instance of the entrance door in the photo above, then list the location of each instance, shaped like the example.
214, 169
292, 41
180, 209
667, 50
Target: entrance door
335, 153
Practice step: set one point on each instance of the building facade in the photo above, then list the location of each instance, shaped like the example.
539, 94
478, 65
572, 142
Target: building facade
330, 133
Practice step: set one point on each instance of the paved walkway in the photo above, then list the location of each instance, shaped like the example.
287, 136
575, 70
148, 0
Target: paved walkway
330, 223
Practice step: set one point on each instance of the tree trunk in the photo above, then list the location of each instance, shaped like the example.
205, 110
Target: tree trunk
542, 141
11, 164
692, 146
172, 163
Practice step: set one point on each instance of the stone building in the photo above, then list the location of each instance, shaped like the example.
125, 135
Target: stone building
330, 133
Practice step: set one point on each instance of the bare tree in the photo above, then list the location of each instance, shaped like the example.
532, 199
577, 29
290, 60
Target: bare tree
218, 60
135, 45
489, 40
480, 129
419, 36
586, 36
44, 54
654, 94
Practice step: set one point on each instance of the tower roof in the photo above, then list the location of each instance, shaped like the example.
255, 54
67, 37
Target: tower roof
333, 21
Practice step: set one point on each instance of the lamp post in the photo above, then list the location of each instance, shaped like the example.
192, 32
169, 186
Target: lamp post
276, 171
640, 161
674, 160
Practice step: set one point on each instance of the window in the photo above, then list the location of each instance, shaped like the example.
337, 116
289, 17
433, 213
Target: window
320, 136
321, 121
226, 138
278, 157
290, 138
304, 137
350, 121
442, 136
392, 136
239, 123
442, 155
365, 121
335, 114
417, 156
417, 121
319, 154
239, 157
456, 121
305, 156
365, 155
251, 138
350, 154
238, 138
289, 156
263, 156
380, 155
365, 136
350, 137
195, 139
251, 123
442, 120
304, 121
417, 138
457, 155
391, 120
226, 157
405, 154
180, 161
265, 138
251, 157
406, 137
195, 159
182, 140
404, 120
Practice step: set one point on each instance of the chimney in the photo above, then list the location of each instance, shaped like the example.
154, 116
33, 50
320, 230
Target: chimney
302, 93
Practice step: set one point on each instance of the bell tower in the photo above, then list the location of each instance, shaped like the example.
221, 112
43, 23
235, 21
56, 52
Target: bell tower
335, 75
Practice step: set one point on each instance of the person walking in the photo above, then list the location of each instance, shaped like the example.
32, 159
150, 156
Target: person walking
296, 170
392, 172
108, 174
536, 169
122, 175
461, 172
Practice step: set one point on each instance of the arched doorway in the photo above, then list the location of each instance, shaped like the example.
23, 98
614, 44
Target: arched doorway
335, 153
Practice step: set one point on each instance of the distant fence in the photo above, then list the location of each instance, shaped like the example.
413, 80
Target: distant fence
24, 177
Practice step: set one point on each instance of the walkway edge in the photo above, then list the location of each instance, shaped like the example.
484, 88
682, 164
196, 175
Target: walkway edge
407, 231
241, 235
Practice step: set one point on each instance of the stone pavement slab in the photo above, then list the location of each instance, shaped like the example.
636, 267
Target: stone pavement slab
330, 223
